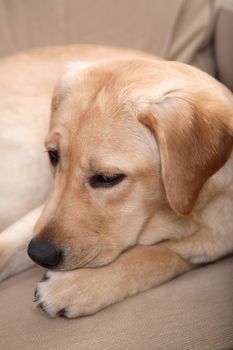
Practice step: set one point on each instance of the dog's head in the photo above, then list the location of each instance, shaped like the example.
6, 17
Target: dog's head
127, 137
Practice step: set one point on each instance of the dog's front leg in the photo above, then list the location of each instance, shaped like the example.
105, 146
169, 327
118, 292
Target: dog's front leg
87, 290
13, 245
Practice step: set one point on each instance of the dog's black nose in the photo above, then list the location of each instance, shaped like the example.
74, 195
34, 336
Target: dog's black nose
44, 253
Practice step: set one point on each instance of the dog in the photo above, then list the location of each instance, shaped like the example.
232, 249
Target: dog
140, 152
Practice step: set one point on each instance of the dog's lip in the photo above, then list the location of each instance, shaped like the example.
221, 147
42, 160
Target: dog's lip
88, 258
83, 263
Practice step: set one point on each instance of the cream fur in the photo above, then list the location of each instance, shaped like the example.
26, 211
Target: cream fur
132, 116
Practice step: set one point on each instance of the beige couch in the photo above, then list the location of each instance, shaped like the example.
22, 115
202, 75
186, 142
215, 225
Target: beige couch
194, 311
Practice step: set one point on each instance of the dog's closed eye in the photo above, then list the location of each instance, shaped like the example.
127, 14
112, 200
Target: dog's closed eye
105, 181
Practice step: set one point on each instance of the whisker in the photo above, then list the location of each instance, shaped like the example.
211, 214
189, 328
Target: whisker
88, 258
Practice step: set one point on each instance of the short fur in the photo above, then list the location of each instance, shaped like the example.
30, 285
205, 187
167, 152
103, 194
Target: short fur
169, 128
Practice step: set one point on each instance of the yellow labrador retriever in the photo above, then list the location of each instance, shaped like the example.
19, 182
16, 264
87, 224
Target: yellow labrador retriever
141, 154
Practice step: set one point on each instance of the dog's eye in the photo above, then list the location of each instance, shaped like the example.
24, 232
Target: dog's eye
102, 180
54, 157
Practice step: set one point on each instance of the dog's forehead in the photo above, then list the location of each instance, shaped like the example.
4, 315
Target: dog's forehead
117, 144
104, 131
107, 138
79, 88
88, 95
84, 84
90, 108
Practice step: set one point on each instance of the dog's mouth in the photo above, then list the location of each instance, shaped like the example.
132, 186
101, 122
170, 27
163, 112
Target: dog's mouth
98, 257
72, 263
52, 257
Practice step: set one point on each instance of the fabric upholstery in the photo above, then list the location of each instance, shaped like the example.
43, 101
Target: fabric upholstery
193, 312
224, 43
197, 32
173, 29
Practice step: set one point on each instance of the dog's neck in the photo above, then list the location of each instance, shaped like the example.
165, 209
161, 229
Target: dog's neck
165, 224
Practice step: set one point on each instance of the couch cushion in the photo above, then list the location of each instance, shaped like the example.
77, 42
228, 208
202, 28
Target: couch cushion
173, 29
193, 312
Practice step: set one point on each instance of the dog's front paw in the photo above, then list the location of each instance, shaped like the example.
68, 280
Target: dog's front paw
72, 293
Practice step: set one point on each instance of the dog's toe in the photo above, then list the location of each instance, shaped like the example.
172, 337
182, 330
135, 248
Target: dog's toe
45, 276
63, 312
68, 294
36, 295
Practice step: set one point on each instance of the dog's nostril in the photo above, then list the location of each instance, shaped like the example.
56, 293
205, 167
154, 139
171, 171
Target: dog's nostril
44, 253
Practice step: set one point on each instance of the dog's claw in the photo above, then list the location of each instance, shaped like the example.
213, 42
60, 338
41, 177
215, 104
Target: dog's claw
41, 306
36, 294
45, 277
62, 313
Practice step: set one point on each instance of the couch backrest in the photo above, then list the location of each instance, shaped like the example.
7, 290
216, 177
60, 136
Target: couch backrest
180, 30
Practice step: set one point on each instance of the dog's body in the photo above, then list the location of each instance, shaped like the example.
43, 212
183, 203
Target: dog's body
141, 153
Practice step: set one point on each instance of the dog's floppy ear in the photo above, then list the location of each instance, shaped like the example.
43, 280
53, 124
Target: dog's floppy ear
195, 138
